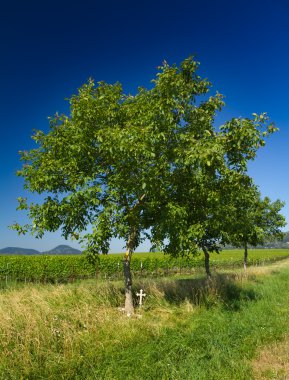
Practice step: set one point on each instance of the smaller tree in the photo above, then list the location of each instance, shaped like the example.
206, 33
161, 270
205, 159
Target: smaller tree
255, 220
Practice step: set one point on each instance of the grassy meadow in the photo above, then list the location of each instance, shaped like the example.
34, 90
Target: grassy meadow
233, 327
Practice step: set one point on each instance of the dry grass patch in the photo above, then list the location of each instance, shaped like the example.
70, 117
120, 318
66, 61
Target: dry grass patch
273, 362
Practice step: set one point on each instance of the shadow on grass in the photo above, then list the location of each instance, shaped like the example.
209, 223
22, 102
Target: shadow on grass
221, 289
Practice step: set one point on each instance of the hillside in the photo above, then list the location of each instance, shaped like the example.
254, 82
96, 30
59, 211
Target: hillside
18, 251
63, 250
59, 250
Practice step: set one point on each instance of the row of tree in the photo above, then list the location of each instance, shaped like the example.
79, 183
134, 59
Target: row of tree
150, 166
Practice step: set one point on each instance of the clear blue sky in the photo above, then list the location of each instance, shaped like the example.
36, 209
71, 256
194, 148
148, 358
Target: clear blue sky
50, 48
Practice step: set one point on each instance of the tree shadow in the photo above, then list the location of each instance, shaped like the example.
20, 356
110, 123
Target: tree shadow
220, 289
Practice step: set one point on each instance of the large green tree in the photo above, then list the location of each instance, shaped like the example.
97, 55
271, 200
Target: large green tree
148, 165
107, 166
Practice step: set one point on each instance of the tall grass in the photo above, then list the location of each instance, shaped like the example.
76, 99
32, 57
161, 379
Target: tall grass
188, 328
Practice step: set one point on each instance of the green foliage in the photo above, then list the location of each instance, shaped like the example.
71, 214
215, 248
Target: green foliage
254, 220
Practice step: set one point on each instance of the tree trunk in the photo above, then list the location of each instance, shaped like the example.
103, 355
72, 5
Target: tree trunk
245, 257
207, 262
128, 306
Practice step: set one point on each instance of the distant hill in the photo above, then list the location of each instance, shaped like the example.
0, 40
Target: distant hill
59, 250
18, 251
63, 250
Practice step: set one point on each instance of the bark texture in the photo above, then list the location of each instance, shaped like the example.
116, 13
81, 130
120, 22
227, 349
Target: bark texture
128, 306
207, 262
245, 256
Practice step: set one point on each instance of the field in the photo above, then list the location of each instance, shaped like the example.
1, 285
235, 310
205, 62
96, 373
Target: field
233, 327
65, 268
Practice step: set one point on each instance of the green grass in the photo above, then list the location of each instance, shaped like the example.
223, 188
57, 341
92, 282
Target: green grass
187, 329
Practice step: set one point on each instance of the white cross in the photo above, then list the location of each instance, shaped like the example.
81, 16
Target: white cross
141, 294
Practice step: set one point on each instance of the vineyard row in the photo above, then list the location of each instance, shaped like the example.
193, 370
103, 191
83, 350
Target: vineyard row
66, 268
